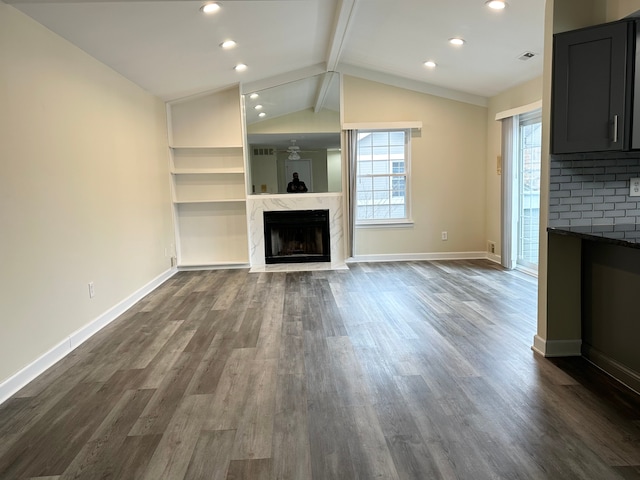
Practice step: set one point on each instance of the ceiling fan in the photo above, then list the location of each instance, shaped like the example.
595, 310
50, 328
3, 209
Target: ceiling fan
294, 151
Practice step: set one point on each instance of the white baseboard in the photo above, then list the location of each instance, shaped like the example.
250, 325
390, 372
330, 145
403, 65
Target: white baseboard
557, 348
494, 258
408, 257
17, 381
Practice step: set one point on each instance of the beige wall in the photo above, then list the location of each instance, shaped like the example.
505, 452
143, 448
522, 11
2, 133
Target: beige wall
447, 169
518, 96
617, 9
84, 189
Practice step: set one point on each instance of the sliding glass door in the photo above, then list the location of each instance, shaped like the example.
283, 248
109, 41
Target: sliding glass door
528, 217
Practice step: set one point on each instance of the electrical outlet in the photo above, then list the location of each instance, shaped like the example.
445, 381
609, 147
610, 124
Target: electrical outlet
634, 187
491, 247
92, 291
445, 236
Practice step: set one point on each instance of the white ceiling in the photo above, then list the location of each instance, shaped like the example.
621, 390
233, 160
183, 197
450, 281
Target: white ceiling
172, 50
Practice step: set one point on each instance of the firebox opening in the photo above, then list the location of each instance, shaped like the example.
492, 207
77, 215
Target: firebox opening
296, 236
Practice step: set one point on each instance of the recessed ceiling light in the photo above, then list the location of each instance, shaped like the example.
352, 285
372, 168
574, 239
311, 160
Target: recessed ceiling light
253, 96
258, 107
496, 4
210, 7
262, 114
228, 44
456, 41
430, 64
241, 67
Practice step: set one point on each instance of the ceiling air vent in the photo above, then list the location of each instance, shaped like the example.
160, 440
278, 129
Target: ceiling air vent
526, 56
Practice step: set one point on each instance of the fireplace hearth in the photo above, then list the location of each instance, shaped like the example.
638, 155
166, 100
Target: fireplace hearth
296, 236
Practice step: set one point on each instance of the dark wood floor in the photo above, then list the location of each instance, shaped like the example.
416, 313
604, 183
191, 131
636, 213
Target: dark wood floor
419, 370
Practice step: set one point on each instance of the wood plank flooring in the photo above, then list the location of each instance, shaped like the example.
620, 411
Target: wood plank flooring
416, 370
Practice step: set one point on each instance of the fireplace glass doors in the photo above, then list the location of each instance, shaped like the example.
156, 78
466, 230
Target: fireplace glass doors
296, 236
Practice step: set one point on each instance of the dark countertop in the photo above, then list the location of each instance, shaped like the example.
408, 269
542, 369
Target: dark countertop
626, 235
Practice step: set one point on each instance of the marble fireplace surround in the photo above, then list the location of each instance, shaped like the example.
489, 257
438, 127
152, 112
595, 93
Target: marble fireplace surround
257, 204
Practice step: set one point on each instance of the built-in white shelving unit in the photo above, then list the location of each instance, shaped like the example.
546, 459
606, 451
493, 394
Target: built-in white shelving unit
207, 175
208, 180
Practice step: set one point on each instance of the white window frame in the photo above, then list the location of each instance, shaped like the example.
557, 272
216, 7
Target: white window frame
406, 220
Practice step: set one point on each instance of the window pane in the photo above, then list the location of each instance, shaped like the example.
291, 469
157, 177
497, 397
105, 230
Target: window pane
380, 138
365, 168
381, 183
381, 197
380, 167
398, 186
397, 211
397, 151
365, 153
365, 183
380, 153
396, 138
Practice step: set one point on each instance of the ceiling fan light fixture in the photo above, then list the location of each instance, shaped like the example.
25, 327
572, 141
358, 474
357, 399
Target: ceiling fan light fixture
496, 4
293, 151
210, 7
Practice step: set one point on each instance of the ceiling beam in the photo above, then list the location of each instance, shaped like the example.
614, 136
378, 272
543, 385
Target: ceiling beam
323, 90
345, 15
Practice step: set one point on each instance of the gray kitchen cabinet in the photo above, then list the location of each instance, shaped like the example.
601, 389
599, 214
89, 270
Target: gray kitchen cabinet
593, 88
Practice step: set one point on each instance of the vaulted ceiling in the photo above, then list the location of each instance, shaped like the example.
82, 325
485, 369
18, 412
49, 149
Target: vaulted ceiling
172, 49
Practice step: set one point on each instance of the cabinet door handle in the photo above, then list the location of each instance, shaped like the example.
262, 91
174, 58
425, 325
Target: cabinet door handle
615, 129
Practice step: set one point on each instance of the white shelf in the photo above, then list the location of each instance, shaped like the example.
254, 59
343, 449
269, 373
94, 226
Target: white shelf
208, 187
207, 147
198, 171
207, 160
225, 200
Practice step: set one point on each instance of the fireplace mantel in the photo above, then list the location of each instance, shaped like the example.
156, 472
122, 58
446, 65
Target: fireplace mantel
257, 204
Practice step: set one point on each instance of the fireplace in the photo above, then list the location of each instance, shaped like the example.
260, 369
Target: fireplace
296, 236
